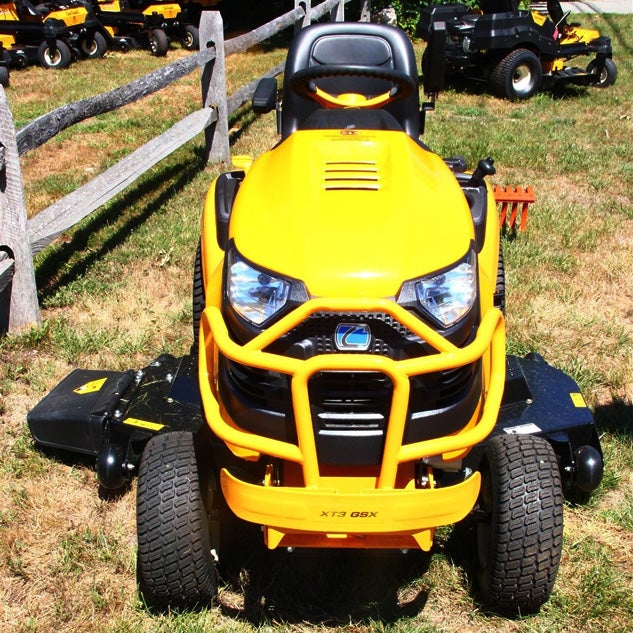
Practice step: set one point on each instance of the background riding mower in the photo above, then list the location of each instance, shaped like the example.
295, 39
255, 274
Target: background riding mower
350, 354
5, 62
147, 24
518, 52
52, 33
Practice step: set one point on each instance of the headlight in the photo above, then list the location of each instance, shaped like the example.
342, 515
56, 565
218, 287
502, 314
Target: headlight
254, 294
450, 295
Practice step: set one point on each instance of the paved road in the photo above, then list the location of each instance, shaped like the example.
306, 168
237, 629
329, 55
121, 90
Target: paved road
599, 6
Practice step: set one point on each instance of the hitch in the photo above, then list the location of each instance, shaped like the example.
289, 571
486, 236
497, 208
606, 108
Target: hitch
512, 201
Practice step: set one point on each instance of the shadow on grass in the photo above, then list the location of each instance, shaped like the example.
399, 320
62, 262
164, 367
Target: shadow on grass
615, 417
65, 262
322, 587
557, 92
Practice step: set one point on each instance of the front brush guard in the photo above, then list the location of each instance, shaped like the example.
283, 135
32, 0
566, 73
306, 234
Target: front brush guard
354, 508
490, 339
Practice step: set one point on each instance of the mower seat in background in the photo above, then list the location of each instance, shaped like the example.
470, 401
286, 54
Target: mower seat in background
350, 118
351, 44
498, 6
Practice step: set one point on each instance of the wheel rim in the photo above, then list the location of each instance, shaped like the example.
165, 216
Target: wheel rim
522, 79
52, 60
604, 76
90, 49
187, 40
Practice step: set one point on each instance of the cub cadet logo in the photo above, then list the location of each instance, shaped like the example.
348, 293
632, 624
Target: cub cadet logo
341, 514
352, 337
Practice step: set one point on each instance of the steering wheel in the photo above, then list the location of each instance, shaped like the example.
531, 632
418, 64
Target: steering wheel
304, 84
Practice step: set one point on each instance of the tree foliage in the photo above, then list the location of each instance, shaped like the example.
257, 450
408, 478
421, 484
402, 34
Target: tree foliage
408, 11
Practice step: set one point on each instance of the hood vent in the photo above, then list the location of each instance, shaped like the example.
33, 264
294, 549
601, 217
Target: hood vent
362, 175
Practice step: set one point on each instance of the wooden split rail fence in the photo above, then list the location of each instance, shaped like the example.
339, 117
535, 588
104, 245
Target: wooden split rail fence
21, 238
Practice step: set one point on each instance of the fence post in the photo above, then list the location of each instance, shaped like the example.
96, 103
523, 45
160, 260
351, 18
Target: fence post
214, 88
365, 11
337, 14
306, 5
19, 293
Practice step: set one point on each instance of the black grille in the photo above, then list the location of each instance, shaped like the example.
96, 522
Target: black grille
388, 336
350, 399
350, 409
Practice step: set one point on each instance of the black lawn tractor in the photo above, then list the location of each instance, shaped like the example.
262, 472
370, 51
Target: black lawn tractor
149, 24
348, 386
52, 33
519, 52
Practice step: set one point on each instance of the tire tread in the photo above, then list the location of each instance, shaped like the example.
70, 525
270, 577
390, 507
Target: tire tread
175, 566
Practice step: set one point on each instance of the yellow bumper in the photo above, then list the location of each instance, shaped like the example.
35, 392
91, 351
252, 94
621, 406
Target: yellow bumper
337, 507
288, 512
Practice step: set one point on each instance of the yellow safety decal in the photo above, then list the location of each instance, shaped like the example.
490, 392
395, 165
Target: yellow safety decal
91, 387
578, 400
144, 424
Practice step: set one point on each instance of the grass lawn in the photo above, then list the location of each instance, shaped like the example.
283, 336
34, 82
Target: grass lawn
116, 292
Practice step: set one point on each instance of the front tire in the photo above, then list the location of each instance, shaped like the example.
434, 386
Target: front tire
520, 524
517, 76
175, 567
608, 75
58, 59
158, 43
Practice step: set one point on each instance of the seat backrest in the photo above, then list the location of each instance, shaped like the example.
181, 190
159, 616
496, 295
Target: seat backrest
498, 6
351, 43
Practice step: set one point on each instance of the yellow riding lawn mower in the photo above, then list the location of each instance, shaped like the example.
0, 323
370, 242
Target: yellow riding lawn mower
52, 33
149, 24
348, 386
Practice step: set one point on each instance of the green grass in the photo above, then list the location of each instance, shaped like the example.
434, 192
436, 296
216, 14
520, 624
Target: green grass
115, 292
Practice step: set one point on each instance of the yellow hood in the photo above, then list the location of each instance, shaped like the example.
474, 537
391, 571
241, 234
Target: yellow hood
351, 213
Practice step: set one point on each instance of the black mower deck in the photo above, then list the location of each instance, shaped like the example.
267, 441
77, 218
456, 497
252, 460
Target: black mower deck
112, 415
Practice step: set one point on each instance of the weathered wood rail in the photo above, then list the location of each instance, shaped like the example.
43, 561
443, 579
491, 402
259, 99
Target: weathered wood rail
21, 238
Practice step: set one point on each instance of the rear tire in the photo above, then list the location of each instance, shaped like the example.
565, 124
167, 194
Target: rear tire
96, 48
608, 75
517, 76
520, 524
59, 59
158, 43
500, 286
191, 39
4, 76
175, 567
198, 298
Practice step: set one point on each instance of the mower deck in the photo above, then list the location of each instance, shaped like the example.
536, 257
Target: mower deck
111, 415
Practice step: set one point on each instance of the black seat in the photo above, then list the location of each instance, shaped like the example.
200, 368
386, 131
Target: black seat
498, 6
351, 43
350, 119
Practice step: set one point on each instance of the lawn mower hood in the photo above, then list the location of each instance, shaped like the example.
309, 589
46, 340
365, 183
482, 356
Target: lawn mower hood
353, 188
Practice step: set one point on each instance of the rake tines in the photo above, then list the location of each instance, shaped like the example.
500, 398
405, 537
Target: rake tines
513, 200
